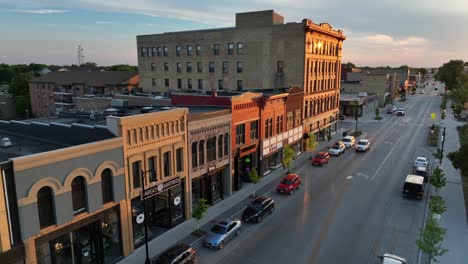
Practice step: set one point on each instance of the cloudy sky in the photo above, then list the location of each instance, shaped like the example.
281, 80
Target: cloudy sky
422, 33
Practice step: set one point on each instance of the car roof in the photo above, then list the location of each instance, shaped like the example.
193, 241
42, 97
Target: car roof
223, 222
322, 153
390, 259
291, 176
349, 137
416, 179
363, 140
260, 199
401, 108
421, 157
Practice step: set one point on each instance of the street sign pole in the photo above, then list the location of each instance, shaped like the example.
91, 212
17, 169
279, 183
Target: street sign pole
147, 261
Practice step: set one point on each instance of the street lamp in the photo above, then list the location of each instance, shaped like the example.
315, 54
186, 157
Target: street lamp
356, 105
442, 150
143, 173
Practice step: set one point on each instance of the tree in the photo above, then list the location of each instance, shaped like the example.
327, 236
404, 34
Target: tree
437, 205
6, 74
377, 113
311, 143
450, 72
19, 88
254, 178
438, 179
431, 239
288, 155
350, 65
89, 64
123, 67
423, 72
199, 211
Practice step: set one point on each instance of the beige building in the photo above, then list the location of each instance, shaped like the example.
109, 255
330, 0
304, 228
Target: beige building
375, 83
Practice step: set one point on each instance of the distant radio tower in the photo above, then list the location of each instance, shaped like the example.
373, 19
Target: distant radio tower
80, 55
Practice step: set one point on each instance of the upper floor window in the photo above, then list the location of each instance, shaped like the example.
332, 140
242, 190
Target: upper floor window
254, 129
143, 52
167, 164
200, 84
153, 52
220, 146
179, 159
211, 149
239, 85
152, 169
194, 154
189, 83
220, 85
179, 83
106, 185
160, 51
177, 50
150, 54
216, 49
136, 170
279, 124
165, 50
166, 66
240, 67
179, 67
226, 144
268, 127
45, 206
225, 67
153, 66
230, 48
153, 82
211, 66
189, 50
280, 66
189, 67
198, 50
290, 121
79, 195
199, 67
240, 134
166, 83
240, 48
201, 152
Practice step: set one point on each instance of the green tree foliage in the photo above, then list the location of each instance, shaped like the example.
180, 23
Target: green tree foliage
19, 88
89, 64
311, 143
450, 72
123, 67
458, 157
437, 205
199, 210
431, 239
288, 155
438, 179
350, 65
254, 178
6, 73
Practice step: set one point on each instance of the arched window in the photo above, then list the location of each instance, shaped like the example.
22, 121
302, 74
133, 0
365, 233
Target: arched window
45, 206
79, 195
129, 140
106, 184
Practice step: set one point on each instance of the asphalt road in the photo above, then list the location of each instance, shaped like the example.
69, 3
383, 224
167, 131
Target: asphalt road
351, 210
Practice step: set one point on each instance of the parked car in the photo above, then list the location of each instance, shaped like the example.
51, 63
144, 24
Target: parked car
222, 232
436, 88
147, 109
289, 184
337, 149
421, 92
421, 162
180, 253
414, 186
392, 259
342, 117
422, 171
362, 145
391, 109
348, 141
258, 209
400, 112
321, 158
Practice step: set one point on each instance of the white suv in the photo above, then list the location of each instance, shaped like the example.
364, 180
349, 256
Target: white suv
348, 141
392, 259
363, 145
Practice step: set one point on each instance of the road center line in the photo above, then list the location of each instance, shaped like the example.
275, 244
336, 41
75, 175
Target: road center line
388, 155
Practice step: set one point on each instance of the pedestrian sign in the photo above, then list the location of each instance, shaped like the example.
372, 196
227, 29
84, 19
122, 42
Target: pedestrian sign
433, 116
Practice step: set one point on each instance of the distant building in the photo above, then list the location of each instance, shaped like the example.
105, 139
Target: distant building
57, 91
374, 83
7, 104
44, 71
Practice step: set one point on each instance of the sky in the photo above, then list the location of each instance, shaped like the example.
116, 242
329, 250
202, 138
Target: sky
422, 33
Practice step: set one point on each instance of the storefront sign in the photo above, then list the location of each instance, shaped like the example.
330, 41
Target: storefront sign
158, 188
177, 200
140, 218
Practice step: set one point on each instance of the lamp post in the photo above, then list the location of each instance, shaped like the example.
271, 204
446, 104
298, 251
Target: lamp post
356, 105
442, 150
143, 173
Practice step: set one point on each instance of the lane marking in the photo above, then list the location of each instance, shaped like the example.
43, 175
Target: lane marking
388, 155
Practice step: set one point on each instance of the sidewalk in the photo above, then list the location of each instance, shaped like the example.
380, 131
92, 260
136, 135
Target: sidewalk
224, 209
454, 219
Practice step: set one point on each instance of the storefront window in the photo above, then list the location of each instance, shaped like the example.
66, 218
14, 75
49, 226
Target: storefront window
61, 249
106, 184
111, 237
167, 164
220, 146
194, 155
79, 195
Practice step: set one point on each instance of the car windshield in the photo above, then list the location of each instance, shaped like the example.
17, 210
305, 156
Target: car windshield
218, 229
254, 206
286, 181
401, 109
320, 157
335, 147
362, 143
421, 173
420, 160
346, 140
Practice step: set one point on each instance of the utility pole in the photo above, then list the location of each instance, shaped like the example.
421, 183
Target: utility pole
356, 105
442, 150
147, 261
80, 55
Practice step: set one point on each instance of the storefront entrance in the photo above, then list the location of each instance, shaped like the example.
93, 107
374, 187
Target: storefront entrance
94, 242
208, 186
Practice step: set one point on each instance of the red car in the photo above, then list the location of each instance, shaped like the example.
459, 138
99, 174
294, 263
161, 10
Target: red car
289, 184
321, 158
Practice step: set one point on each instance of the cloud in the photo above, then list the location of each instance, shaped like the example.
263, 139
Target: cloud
40, 11
103, 22
382, 39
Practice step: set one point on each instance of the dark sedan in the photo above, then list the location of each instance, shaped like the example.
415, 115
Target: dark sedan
258, 209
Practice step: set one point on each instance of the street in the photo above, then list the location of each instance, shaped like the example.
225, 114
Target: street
351, 210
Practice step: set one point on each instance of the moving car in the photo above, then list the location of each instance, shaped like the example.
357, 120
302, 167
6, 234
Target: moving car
337, 149
421, 171
421, 92
321, 158
342, 117
391, 109
258, 209
392, 259
180, 253
222, 232
421, 162
348, 141
400, 112
414, 186
363, 145
289, 184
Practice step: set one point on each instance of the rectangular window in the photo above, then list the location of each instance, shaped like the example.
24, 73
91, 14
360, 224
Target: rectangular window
279, 124
240, 67
136, 170
199, 66
167, 164
239, 85
194, 155
220, 85
220, 146
166, 83
179, 159
240, 49
149, 52
153, 51
152, 169
298, 119
225, 67
179, 67
189, 83
226, 144
254, 129
177, 50
166, 66
268, 127
153, 82
165, 51
230, 48
201, 152
240, 134
216, 49
189, 67
160, 52
153, 67
143, 52
211, 149
290, 121
211, 66
280, 65
198, 51
189, 50
200, 84
179, 83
